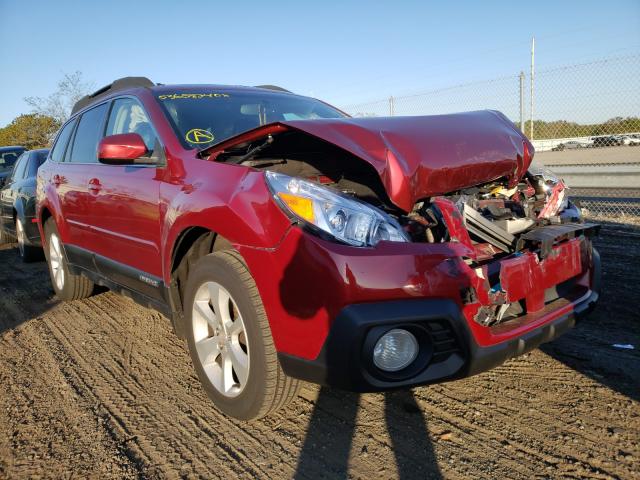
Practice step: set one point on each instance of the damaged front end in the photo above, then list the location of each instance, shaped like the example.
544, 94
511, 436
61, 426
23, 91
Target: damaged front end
528, 249
463, 180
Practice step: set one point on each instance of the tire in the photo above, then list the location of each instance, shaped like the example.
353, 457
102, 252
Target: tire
4, 237
66, 285
27, 253
222, 278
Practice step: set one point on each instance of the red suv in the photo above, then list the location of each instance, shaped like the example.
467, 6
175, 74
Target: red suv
286, 240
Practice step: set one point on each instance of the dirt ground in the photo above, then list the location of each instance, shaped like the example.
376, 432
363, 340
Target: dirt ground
101, 388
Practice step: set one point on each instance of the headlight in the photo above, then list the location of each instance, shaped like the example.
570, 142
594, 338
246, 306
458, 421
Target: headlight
342, 217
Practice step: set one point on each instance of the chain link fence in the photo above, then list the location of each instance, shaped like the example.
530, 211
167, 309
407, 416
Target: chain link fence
583, 119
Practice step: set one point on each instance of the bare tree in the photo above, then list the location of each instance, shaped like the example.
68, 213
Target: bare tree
58, 105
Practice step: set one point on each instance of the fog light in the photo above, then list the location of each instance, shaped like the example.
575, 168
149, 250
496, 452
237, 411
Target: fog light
395, 350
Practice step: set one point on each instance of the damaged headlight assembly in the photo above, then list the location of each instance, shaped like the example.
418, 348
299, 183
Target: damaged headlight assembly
343, 218
555, 190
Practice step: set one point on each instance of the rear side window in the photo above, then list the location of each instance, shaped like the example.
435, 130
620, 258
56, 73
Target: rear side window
61, 144
37, 159
20, 168
88, 134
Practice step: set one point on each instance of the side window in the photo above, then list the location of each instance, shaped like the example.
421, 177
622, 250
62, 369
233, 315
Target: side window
128, 116
61, 144
20, 167
37, 159
88, 133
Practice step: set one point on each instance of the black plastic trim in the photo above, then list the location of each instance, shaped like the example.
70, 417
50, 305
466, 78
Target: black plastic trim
116, 85
342, 363
121, 278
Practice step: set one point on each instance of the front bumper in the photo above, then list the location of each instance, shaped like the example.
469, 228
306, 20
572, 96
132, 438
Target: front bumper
452, 352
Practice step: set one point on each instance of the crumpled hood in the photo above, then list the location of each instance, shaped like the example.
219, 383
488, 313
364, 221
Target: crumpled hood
419, 157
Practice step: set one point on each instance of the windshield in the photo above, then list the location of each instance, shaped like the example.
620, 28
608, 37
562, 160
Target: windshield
204, 118
8, 158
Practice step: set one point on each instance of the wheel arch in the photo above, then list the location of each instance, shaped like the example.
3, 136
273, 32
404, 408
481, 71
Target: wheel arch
48, 206
18, 210
191, 244
45, 214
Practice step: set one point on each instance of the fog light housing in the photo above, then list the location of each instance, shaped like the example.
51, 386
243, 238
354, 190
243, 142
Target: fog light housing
395, 350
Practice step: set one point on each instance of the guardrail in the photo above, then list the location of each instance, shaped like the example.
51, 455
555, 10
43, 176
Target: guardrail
607, 190
618, 176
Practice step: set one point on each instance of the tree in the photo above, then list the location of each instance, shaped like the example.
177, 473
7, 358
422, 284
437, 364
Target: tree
58, 105
31, 131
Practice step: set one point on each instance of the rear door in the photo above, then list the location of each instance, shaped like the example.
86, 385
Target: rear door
52, 178
76, 193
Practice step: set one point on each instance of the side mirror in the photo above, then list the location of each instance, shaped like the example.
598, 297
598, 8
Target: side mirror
124, 149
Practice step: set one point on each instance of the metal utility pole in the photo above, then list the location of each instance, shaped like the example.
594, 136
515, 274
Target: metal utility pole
533, 49
391, 106
522, 102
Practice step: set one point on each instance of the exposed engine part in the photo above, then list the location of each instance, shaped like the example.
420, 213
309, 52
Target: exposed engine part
488, 230
515, 225
421, 223
544, 237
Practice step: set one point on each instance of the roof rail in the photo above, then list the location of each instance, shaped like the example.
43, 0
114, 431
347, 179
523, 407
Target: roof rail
120, 84
273, 87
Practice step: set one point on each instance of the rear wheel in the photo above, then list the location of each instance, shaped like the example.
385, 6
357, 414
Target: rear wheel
66, 285
27, 253
230, 339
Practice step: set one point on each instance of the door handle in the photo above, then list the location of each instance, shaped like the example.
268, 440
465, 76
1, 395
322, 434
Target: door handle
57, 180
94, 185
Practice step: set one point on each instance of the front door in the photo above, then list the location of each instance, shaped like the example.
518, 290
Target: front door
126, 204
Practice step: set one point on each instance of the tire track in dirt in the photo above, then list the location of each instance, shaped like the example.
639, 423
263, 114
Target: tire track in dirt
111, 385
476, 427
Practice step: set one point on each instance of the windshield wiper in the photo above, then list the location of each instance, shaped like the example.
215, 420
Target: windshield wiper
254, 151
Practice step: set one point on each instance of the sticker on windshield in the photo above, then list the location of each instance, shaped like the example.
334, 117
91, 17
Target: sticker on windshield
198, 135
193, 96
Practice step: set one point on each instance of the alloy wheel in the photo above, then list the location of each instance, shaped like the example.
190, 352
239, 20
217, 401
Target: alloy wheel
220, 339
21, 236
55, 260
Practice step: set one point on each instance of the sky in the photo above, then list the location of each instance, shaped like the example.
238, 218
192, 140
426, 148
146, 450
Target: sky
344, 52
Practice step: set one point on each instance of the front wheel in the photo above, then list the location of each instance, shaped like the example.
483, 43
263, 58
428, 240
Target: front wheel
230, 339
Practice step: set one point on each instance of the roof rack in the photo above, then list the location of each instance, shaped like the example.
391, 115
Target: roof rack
273, 87
120, 84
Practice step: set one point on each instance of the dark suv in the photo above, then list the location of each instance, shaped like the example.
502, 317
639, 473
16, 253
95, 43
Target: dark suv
286, 240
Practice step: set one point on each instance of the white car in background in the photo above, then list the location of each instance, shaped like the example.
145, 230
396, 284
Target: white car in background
631, 140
